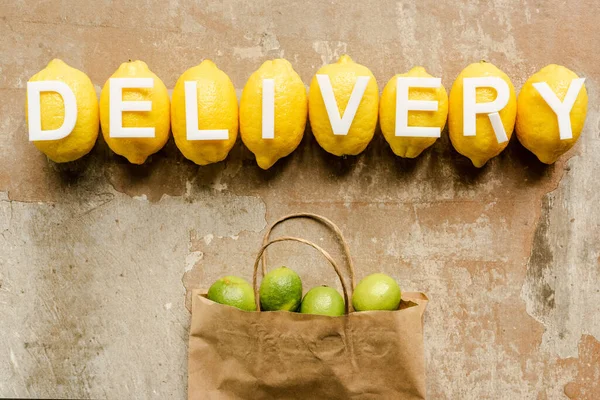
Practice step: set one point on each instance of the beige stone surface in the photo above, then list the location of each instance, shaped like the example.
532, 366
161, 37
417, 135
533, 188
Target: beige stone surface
96, 257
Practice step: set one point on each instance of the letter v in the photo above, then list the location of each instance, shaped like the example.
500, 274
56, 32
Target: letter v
341, 125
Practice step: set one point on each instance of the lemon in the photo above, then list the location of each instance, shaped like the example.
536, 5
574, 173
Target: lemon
537, 124
280, 289
217, 109
83, 136
484, 145
322, 300
343, 75
376, 292
290, 112
136, 150
233, 291
411, 147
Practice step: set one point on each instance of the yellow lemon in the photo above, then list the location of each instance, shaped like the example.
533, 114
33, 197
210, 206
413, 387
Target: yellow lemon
217, 109
136, 150
343, 76
484, 145
290, 112
537, 124
411, 147
83, 136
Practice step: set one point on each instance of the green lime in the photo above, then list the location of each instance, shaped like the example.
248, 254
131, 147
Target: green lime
376, 292
281, 289
322, 300
233, 291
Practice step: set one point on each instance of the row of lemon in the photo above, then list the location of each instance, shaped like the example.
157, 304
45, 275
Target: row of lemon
536, 123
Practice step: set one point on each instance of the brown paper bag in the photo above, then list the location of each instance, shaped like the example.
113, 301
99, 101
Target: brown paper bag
236, 354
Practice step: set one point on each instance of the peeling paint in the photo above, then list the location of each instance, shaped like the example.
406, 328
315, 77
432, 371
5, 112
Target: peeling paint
586, 385
99, 256
208, 238
191, 259
251, 53
329, 51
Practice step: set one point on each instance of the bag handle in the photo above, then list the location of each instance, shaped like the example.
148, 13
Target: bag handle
324, 221
260, 256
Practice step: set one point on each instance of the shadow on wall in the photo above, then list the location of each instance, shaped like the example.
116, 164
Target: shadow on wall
168, 172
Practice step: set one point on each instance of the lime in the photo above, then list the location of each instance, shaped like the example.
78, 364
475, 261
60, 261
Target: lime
376, 292
281, 289
322, 300
233, 291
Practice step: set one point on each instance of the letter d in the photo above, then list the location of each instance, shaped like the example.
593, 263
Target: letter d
34, 110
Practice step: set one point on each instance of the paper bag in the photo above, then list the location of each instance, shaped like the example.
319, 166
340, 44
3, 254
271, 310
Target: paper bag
235, 354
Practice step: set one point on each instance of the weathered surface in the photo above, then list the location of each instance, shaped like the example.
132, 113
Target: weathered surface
96, 256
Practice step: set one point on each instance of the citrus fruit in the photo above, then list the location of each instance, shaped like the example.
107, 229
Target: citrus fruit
217, 109
233, 291
280, 289
83, 136
484, 145
136, 150
411, 147
322, 300
343, 76
537, 124
376, 292
290, 112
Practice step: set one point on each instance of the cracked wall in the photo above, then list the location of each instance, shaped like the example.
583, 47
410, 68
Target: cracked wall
97, 256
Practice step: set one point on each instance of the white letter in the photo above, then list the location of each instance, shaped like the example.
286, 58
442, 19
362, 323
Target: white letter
34, 110
562, 110
404, 105
268, 109
191, 117
471, 107
117, 106
341, 125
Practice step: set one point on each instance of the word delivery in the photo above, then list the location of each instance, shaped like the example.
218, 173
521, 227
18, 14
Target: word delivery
343, 105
